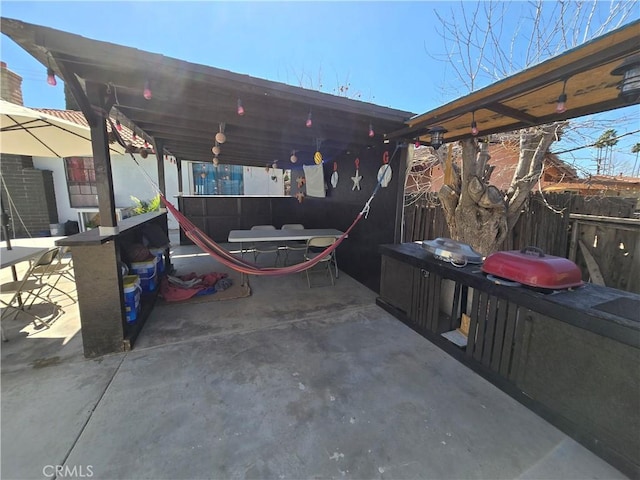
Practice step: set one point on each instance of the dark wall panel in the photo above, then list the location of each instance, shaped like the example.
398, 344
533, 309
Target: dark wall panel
358, 255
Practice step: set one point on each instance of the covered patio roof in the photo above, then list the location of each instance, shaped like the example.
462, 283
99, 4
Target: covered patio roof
190, 102
529, 98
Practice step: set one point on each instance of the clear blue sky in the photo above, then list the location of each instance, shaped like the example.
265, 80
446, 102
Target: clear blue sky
383, 50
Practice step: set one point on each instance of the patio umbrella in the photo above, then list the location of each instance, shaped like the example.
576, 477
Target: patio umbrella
28, 132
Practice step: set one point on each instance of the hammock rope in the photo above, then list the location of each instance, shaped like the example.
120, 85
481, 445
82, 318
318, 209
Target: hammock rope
225, 257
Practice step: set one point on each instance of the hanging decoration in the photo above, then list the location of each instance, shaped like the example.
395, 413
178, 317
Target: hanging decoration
216, 161
146, 93
293, 157
317, 158
220, 136
300, 181
240, 109
309, 122
334, 175
357, 177
300, 197
371, 132
384, 172
216, 149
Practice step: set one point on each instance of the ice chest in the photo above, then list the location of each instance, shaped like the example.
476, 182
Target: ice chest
159, 254
147, 271
131, 284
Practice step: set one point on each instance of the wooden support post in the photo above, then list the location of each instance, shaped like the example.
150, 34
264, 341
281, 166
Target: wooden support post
97, 96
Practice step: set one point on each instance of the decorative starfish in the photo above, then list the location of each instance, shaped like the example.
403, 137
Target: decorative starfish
356, 180
300, 197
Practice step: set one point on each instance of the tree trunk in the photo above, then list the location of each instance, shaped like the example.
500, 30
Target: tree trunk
478, 213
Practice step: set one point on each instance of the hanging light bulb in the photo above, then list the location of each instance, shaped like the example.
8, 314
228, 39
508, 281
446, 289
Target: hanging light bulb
146, 144
216, 149
51, 77
561, 105
309, 122
240, 108
474, 125
220, 136
293, 157
371, 132
437, 137
417, 144
146, 93
134, 136
118, 125
216, 161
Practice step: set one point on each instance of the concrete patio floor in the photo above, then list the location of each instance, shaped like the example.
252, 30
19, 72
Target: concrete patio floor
289, 382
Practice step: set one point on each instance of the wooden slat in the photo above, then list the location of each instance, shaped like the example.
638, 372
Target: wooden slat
473, 325
482, 325
490, 330
507, 349
499, 335
517, 346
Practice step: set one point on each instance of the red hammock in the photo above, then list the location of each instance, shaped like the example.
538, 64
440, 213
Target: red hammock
223, 256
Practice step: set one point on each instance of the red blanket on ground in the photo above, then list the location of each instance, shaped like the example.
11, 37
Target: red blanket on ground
205, 284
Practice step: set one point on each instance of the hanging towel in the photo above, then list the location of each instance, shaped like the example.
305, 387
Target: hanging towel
314, 176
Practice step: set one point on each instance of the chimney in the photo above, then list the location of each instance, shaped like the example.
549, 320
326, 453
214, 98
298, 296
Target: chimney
10, 85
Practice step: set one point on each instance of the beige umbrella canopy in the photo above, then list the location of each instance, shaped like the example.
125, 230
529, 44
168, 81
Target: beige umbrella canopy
28, 132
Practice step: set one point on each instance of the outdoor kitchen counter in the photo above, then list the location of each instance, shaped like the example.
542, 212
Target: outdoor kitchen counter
606, 311
571, 356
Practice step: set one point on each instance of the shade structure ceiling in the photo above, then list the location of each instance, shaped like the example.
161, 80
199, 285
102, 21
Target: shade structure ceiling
190, 103
530, 97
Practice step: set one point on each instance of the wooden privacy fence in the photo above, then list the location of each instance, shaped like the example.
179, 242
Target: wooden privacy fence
607, 249
557, 223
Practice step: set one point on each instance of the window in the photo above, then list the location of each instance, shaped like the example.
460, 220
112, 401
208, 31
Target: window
220, 179
81, 182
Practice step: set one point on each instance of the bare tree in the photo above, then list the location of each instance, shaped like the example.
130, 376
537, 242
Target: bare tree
477, 212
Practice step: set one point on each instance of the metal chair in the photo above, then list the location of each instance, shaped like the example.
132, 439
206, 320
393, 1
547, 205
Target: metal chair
316, 246
32, 288
265, 247
51, 268
293, 245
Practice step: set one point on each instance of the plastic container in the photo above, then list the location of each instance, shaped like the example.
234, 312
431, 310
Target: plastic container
159, 254
132, 289
147, 272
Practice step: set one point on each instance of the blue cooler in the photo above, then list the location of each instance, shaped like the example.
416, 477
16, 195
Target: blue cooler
159, 254
147, 272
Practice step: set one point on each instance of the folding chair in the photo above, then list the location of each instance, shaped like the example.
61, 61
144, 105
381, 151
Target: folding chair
266, 247
293, 245
51, 268
30, 288
315, 247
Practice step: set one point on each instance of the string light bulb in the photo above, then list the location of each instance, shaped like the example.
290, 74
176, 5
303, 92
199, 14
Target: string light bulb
561, 104
240, 108
118, 125
216, 161
216, 150
134, 136
417, 143
146, 93
51, 77
309, 122
371, 132
474, 125
220, 136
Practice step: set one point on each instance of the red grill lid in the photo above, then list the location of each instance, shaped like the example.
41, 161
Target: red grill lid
530, 266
